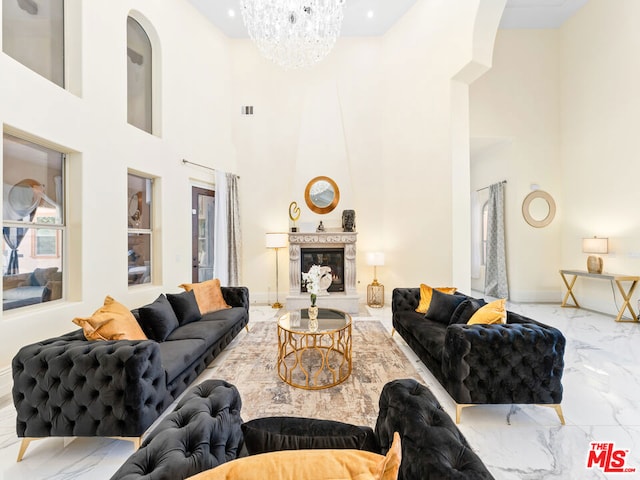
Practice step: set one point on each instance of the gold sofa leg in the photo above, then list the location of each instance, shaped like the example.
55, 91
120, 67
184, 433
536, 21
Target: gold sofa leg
557, 408
27, 440
459, 407
246, 327
393, 332
23, 447
135, 440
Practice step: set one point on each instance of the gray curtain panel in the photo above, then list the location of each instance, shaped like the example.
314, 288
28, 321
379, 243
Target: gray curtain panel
228, 236
234, 230
495, 280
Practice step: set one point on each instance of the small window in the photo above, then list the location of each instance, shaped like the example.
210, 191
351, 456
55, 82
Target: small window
46, 243
140, 233
139, 76
33, 34
33, 225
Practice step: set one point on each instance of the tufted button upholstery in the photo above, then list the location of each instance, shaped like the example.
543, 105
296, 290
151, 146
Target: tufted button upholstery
432, 446
521, 361
205, 431
511, 363
236, 296
67, 386
405, 299
202, 432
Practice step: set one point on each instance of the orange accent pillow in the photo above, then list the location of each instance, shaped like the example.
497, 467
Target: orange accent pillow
112, 321
425, 296
311, 464
208, 295
489, 314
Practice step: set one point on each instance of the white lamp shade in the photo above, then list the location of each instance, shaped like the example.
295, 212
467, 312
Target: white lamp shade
276, 240
595, 245
375, 258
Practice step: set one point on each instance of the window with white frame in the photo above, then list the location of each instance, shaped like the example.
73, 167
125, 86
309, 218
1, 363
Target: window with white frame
33, 223
140, 229
33, 34
139, 76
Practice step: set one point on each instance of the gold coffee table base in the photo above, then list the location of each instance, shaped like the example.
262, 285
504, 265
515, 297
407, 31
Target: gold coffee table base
314, 360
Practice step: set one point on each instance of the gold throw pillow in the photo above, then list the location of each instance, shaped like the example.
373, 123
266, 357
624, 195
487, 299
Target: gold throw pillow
426, 293
208, 295
112, 321
491, 313
311, 464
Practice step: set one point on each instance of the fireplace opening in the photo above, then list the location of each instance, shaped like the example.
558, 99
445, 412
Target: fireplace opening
325, 257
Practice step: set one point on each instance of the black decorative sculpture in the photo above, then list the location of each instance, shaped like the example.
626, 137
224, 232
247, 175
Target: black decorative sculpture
349, 220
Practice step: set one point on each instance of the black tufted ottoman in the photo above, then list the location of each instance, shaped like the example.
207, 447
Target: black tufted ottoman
202, 432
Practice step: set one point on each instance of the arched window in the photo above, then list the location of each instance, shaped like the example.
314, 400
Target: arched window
139, 77
33, 34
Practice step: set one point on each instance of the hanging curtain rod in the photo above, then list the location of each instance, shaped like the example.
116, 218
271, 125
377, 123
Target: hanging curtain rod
184, 161
484, 188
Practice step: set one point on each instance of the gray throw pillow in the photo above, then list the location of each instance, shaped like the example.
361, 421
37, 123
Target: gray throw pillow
442, 306
158, 319
185, 306
465, 310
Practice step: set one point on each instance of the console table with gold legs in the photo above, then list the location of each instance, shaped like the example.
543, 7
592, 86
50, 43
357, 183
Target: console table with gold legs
612, 277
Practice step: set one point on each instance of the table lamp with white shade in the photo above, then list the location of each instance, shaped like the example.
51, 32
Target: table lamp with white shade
375, 290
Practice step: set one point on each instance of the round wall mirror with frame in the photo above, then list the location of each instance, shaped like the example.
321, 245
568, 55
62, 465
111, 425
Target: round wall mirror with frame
538, 209
322, 195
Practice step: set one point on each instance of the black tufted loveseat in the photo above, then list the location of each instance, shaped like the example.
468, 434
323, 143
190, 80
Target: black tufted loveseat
187, 442
68, 386
520, 362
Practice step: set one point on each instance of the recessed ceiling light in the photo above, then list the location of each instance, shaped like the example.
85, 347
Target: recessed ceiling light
370, 14
231, 12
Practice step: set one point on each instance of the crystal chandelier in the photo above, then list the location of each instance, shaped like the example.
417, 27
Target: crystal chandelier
293, 33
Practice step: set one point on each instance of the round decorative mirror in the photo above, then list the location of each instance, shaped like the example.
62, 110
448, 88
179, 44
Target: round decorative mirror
538, 209
322, 195
24, 197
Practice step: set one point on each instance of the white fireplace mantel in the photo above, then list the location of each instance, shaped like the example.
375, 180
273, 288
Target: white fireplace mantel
347, 300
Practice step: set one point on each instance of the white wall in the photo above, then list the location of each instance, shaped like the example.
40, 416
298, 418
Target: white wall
195, 111
562, 109
375, 116
600, 142
515, 116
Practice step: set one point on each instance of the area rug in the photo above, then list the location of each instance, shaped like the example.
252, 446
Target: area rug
250, 365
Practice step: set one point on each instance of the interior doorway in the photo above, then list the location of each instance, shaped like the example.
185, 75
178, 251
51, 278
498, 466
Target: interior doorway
202, 222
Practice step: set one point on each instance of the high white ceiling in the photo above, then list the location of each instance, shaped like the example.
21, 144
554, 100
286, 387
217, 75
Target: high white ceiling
517, 14
539, 13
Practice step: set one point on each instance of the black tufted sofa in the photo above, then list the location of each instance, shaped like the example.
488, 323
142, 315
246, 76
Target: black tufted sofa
202, 432
69, 386
432, 446
520, 362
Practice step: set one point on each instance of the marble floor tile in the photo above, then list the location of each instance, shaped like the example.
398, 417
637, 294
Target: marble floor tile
601, 388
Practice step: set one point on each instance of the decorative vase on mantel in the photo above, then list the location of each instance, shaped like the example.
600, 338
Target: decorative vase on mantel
313, 314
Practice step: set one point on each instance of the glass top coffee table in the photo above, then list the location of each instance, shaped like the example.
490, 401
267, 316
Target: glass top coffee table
316, 359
